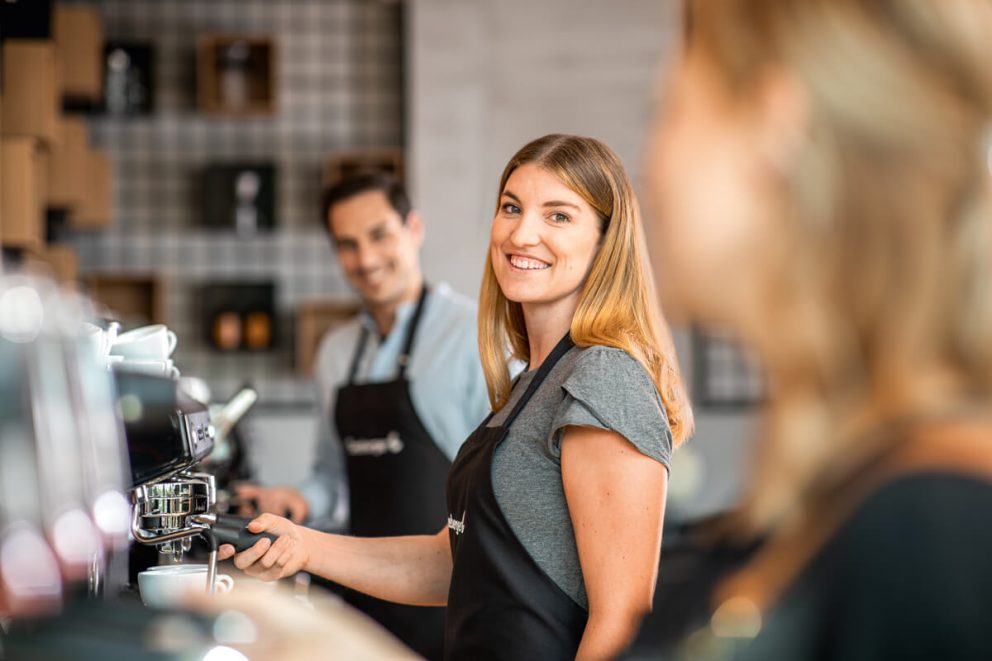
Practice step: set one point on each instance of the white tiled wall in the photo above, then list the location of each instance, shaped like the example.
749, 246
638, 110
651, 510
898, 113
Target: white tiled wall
485, 78
339, 85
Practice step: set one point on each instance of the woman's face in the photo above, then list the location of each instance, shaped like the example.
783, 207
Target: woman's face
544, 238
706, 179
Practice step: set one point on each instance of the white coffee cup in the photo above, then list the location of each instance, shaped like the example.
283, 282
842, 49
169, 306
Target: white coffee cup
163, 367
165, 586
155, 342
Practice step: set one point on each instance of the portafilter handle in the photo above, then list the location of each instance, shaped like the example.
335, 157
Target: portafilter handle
233, 530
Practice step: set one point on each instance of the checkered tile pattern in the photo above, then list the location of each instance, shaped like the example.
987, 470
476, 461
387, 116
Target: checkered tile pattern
338, 85
724, 375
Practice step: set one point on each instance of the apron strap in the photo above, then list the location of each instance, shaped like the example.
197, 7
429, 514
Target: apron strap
363, 339
411, 332
404, 358
560, 350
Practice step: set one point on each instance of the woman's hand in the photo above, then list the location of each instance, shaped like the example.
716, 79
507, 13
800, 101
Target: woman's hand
268, 560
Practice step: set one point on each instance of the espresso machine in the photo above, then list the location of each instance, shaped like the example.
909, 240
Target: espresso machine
167, 434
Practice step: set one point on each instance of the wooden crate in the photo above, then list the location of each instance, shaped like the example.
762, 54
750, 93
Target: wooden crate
79, 38
22, 193
31, 90
57, 261
220, 89
314, 319
345, 163
68, 180
134, 299
94, 209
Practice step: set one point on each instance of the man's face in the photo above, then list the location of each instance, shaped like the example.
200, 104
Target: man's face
377, 250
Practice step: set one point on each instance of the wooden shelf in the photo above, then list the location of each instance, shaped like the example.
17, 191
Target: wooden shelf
67, 185
136, 300
236, 75
23, 179
31, 91
94, 209
314, 319
79, 38
56, 261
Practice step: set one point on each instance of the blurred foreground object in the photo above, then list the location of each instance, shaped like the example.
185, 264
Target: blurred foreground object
821, 174
63, 515
263, 623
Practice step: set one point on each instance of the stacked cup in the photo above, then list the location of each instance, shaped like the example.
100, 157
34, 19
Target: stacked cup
147, 349
100, 340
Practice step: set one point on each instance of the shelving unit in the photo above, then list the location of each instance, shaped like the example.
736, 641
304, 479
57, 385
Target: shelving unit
94, 208
236, 75
31, 95
344, 163
23, 183
313, 320
79, 37
136, 299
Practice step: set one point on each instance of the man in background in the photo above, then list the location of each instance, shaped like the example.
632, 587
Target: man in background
400, 387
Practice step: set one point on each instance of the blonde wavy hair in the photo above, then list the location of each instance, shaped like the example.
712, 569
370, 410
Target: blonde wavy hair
878, 288
617, 304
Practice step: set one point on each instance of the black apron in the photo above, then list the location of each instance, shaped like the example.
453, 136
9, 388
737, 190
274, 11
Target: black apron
501, 605
396, 477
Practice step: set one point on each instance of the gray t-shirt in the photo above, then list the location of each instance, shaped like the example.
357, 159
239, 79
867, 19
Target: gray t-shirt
591, 387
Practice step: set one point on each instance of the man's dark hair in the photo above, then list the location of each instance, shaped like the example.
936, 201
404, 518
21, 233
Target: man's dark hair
363, 182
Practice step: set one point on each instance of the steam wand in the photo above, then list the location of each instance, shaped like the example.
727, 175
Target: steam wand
211, 540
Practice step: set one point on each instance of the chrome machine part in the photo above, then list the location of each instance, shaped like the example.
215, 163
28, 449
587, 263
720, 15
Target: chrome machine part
164, 514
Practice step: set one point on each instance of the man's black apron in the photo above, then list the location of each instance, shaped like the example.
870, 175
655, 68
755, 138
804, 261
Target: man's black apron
501, 605
396, 478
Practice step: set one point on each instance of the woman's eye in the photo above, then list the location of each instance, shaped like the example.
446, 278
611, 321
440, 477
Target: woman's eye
559, 217
510, 208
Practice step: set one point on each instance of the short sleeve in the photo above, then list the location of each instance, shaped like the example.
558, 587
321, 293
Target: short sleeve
609, 389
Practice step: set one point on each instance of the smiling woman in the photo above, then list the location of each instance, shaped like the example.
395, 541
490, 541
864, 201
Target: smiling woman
561, 492
588, 205
556, 501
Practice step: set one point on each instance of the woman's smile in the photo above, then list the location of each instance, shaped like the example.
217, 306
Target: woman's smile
526, 264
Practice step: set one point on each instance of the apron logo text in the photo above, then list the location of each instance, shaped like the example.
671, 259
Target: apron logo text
374, 447
457, 526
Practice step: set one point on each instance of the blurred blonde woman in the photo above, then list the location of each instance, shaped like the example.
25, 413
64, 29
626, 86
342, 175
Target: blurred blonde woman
556, 501
822, 172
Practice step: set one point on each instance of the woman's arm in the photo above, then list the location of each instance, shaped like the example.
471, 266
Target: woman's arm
616, 498
413, 570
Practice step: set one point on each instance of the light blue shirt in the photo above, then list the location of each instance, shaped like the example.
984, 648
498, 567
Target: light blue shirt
447, 387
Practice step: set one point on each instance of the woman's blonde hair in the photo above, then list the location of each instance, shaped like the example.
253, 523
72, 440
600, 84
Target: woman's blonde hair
878, 297
617, 305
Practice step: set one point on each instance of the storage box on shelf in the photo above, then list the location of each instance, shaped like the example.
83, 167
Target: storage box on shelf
31, 89
236, 74
134, 299
79, 38
345, 163
23, 171
68, 180
314, 319
57, 261
94, 208
239, 316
